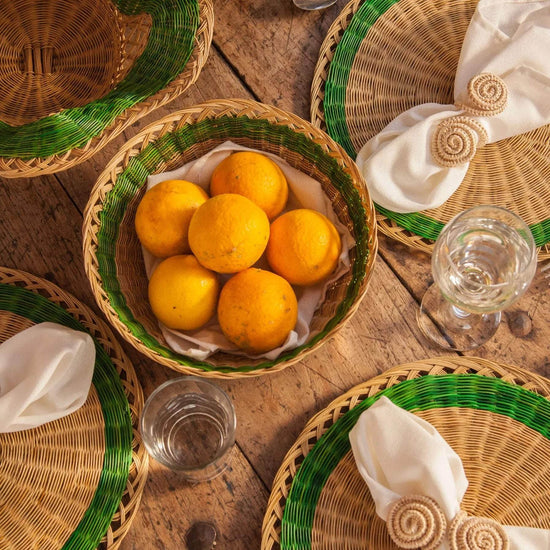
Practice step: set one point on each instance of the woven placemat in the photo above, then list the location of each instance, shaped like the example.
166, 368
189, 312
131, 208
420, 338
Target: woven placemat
74, 483
74, 75
496, 417
382, 57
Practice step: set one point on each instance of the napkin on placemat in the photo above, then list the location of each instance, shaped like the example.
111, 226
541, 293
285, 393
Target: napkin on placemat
45, 373
416, 479
502, 88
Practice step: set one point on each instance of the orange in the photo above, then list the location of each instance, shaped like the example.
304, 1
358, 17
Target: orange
163, 216
256, 177
228, 233
257, 310
304, 246
182, 293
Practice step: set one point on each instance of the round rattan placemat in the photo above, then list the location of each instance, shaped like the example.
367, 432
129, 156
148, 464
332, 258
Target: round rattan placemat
496, 417
382, 57
74, 75
75, 482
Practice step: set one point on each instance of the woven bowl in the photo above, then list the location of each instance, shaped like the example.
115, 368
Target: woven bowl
74, 75
113, 257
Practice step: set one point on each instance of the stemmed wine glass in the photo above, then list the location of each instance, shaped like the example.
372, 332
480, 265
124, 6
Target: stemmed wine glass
483, 261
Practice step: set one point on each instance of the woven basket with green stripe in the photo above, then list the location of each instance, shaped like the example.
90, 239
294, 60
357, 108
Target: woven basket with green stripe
74, 75
496, 417
382, 57
74, 483
113, 256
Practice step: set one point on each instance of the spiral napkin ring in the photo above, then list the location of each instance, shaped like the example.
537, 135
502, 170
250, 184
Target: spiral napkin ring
474, 533
487, 95
456, 139
416, 521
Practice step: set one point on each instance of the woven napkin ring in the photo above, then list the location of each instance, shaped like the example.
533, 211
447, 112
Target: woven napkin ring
417, 521
456, 139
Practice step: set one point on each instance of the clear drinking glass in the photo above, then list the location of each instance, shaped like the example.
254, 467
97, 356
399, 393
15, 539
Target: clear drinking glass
483, 260
188, 424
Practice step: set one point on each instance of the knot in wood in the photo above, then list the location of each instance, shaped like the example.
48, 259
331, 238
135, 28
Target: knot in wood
201, 536
520, 323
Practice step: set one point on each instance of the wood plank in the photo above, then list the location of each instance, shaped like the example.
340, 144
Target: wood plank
40, 233
216, 80
274, 46
530, 351
234, 502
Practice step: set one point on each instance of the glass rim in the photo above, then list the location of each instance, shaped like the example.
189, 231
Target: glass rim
530, 241
506, 211
222, 451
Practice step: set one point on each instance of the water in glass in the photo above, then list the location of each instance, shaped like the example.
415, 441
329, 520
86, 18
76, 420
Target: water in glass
482, 264
188, 431
188, 424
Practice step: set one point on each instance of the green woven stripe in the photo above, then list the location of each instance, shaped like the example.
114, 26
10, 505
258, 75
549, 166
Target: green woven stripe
334, 103
428, 392
334, 106
426, 227
116, 414
223, 128
170, 44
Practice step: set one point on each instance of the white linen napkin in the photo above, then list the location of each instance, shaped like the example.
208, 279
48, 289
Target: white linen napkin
399, 454
45, 374
508, 39
304, 192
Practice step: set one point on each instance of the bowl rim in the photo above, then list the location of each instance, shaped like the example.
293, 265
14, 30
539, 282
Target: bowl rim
169, 124
16, 167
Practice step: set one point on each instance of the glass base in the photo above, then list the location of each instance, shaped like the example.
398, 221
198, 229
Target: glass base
451, 327
313, 4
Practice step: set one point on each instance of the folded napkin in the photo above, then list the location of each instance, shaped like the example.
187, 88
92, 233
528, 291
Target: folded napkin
45, 374
417, 483
304, 192
502, 88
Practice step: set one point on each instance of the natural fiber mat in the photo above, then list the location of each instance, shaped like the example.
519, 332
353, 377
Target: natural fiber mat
496, 417
74, 483
382, 57
113, 257
74, 75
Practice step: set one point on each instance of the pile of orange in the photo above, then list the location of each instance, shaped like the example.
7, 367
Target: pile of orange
200, 236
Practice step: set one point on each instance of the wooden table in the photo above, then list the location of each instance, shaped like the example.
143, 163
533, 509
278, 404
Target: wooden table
264, 50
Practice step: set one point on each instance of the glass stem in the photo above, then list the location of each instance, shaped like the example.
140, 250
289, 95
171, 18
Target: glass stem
460, 313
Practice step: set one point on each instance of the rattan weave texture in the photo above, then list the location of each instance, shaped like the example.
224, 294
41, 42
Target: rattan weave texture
74, 75
113, 256
496, 417
382, 57
75, 482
